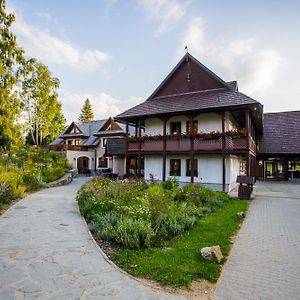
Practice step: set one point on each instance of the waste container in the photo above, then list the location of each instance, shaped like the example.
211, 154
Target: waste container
245, 186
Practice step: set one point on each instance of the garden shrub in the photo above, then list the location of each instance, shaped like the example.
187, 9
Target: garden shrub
133, 234
28, 169
136, 215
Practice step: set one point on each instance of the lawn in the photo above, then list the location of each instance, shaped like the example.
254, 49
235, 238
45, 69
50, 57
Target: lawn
159, 229
179, 261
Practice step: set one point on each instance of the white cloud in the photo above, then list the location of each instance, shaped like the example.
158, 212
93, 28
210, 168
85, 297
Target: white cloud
52, 49
103, 104
166, 12
255, 68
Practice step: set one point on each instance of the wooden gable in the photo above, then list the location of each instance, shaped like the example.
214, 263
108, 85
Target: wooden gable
73, 128
109, 125
189, 76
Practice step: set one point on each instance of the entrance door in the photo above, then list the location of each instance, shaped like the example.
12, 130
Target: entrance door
83, 165
270, 170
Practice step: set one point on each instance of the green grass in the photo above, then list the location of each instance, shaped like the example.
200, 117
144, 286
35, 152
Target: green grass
181, 264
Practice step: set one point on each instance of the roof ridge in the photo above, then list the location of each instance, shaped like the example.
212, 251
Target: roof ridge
281, 112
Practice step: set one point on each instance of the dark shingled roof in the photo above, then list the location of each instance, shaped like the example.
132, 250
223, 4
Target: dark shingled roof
281, 133
115, 147
203, 100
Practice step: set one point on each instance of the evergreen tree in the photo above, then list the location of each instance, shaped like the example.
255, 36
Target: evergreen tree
11, 59
86, 114
41, 107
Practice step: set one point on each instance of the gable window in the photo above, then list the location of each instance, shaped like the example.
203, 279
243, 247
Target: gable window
175, 127
189, 167
188, 126
175, 167
102, 162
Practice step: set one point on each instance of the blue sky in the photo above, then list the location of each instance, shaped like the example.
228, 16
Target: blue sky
116, 52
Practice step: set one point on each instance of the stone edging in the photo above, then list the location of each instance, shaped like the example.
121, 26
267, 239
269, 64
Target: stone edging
66, 179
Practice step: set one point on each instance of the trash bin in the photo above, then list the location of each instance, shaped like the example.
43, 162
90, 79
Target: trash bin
245, 186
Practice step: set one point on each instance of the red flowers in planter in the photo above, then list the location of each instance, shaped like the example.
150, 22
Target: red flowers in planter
201, 135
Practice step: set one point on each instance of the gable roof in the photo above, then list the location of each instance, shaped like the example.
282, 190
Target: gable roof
189, 75
205, 100
90, 132
281, 133
189, 87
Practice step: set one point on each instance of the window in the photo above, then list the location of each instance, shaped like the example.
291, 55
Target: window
175, 169
76, 142
102, 162
69, 142
175, 127
189, 167
242, 167
104, 143
188, 126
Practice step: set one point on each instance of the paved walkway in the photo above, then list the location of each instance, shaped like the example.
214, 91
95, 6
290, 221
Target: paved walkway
265, 260
47, 253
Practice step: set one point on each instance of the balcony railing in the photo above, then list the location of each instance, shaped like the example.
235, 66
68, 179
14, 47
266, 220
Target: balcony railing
183, 144
66, 147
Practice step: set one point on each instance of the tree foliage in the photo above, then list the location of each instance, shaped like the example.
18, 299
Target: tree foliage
11, 60
86, 114
42, 112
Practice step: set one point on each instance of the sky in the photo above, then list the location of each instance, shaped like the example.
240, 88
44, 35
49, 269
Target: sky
116, 52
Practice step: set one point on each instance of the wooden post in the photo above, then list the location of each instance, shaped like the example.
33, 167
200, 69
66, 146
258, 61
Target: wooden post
223, 153
164, 148
126, 151
192, 148
248, 156
140, 147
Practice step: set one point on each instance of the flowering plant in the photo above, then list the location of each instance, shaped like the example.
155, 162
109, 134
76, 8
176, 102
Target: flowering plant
235, 133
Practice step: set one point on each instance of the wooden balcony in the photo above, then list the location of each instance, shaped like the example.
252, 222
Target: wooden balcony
183, 144
66, 147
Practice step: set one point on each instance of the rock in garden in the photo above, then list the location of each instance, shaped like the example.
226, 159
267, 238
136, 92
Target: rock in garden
241, 214
212, 253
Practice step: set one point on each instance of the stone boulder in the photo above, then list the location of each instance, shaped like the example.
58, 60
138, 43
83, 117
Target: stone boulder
212, 253
241, 214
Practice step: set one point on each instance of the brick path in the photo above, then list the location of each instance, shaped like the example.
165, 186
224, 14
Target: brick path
265, 260
47, 253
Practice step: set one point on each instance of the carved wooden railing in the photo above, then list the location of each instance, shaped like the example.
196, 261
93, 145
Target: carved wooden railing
183, 144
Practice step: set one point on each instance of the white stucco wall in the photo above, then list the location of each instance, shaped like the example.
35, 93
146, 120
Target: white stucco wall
153, 165
72, 157
118, 166
207, 122
232, 170
153, 126
210, 170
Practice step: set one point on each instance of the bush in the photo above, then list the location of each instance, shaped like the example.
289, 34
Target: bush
28, 169
133, 234
137, 215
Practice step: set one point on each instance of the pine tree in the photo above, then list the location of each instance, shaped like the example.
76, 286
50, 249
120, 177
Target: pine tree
86, 114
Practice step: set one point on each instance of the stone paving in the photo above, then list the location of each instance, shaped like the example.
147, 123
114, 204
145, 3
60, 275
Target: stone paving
265, 260
46, 252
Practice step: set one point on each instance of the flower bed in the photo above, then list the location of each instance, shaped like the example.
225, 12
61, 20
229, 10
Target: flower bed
137, 215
